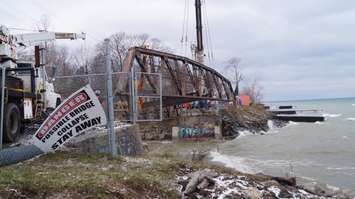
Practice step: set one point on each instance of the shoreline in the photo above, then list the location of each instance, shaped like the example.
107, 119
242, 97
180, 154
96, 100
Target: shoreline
166, 170
206, 147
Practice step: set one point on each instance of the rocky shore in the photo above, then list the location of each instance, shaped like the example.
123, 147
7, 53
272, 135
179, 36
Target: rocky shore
215, 181
254, 119
211, 184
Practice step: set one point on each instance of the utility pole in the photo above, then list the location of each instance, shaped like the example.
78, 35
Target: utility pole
199, 52
3, 84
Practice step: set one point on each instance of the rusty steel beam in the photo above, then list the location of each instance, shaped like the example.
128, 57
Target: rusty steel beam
188, 83
143, 68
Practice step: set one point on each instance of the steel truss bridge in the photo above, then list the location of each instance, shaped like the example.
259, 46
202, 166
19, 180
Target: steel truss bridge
182, 79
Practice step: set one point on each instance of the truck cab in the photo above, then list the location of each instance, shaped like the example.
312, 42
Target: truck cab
27, 91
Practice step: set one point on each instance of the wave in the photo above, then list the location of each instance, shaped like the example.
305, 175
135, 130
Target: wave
350, 118
319, 123
341, 168
331, 115
249, 165
233, 162
244, 134
353, 105
272, 130
270, 124
291, 123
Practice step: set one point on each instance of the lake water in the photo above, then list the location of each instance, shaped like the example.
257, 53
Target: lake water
320, 152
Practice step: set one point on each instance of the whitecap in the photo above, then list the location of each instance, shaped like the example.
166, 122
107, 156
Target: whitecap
234, 162
350, 118
244, 134
333, 188
319, 123
308, 178
341, 168
291, 123
331, 115
270, 124
353, 105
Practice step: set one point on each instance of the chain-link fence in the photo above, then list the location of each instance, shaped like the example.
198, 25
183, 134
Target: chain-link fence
66, 85
147, 93
148, 96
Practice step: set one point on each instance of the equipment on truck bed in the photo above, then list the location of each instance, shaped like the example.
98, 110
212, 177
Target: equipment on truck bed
27, 91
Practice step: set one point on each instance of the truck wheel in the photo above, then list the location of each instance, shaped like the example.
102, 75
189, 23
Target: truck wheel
58, 102
12, 122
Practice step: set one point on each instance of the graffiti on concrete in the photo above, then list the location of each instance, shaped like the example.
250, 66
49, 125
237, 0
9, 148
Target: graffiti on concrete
195, 132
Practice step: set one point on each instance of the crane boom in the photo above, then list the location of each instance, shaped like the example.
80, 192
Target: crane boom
33, 39
10, 42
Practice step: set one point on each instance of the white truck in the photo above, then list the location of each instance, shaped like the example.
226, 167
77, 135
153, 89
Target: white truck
27, 91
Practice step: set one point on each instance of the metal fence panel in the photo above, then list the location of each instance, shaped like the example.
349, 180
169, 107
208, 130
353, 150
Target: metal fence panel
148, 96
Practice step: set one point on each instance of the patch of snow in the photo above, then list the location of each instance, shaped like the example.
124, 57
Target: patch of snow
139, 161
275, 190
227, 193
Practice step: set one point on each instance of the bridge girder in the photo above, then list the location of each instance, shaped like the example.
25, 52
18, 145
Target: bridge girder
183, 80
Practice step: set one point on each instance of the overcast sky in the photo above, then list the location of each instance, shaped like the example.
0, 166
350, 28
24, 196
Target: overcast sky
298, 49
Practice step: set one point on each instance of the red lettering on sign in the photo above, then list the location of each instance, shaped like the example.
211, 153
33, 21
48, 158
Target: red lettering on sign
68, 106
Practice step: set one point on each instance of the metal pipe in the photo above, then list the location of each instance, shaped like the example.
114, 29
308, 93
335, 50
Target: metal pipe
110, 124
3, 81
18, 154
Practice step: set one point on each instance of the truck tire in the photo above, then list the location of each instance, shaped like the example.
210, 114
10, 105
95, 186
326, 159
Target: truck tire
12, 122
58, 102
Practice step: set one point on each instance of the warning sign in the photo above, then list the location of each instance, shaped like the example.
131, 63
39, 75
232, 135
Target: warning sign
78, 113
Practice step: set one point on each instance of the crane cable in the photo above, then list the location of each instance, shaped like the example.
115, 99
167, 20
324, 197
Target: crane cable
187, 26
208, 32
183, 28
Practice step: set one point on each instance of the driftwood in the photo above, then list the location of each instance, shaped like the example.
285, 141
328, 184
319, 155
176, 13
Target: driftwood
200, 180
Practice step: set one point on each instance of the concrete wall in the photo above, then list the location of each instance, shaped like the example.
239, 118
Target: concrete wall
194, 124
96, 141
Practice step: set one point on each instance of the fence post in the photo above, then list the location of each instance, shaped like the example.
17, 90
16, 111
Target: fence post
133, 95
110, 123
3, 80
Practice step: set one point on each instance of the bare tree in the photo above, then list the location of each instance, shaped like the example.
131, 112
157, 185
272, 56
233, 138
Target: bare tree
81, 59
121, 42
234, 64
254, 90
43, 24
